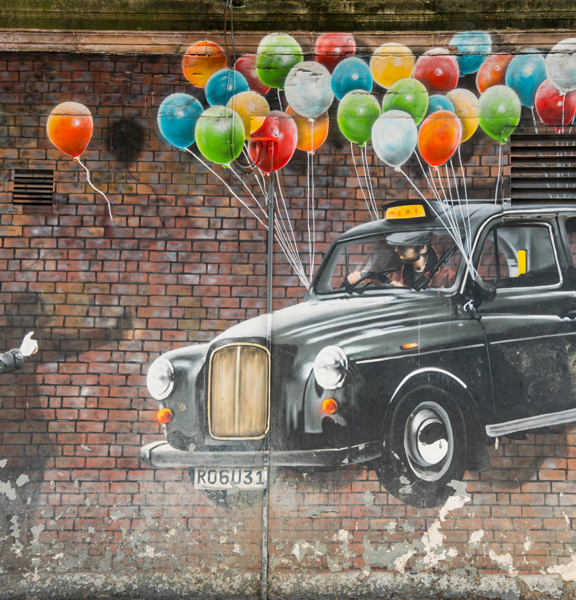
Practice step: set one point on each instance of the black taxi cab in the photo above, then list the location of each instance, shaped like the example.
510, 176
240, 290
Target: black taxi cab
423, 336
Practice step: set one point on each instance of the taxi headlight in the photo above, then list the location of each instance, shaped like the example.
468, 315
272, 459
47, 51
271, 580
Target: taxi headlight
331, 367
160, 379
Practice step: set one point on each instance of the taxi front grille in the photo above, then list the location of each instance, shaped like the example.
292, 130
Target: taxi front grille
239, 390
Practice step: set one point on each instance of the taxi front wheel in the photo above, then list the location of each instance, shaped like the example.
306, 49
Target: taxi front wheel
424, 448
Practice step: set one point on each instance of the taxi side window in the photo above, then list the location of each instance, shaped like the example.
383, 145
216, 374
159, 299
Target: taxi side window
519, 255
571, 233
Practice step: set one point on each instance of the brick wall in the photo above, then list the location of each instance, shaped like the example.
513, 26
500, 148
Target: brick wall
182, 261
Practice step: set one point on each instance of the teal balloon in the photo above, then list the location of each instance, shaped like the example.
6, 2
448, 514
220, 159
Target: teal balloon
524, 74
177, 117
356, 114
439, 102
277, 53
472, 48
220, 134
394, 137
499, 111
351, 74
408, 95
224, 84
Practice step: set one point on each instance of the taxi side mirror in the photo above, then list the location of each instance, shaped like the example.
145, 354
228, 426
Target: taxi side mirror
478, 292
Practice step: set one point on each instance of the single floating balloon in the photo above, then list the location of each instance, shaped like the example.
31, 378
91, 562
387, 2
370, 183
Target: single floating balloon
394, 137
312, 133
224, 84
438, 70
439, 102
308, 89
277, 53
390, 63
331, 48
465, 105
561, 65
439, 136
525, 73
472, 48
177, 117
349, 75
356, 114
554, 107
408, 95
274, 144
499, 112
220, 134
493, 71
246, 65
69, 128
201, 60
252, 108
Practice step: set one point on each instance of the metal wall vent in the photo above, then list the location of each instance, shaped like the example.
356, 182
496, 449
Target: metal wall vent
33, 187
543, 167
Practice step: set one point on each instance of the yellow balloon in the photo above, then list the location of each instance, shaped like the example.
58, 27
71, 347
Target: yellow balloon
391, 62
466, 108
252, 108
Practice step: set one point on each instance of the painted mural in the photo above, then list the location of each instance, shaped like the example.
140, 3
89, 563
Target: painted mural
426, 334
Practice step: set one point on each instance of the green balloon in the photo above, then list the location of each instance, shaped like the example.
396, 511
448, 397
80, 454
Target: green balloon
409, 95
499, 111
277, 53
357, 112
219, 134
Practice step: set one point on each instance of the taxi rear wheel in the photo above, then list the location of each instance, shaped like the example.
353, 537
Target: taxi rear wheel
424, 448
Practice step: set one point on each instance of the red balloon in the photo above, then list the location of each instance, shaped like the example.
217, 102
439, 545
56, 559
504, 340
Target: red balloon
246, 65
331, 48
274, 144
69, 128
439, 136
437, 70
493, 71
553, 107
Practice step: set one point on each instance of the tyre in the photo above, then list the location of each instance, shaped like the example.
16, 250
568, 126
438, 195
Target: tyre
424, 448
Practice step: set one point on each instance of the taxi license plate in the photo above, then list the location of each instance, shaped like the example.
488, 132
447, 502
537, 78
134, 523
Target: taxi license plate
227, 479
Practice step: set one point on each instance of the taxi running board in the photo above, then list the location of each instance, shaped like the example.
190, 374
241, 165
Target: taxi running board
547, 420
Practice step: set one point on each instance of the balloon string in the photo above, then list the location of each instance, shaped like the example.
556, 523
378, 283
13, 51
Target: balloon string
312, 202
77, 159
534, 120
499, 169
372, 216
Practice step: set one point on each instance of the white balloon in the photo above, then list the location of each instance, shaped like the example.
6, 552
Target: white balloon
308, 89
561, 65
394, 137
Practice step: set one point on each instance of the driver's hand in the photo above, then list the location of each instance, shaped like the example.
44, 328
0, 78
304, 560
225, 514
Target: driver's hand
353, 277
28, 346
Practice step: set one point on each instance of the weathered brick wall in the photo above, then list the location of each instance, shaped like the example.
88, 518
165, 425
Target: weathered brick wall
182, 261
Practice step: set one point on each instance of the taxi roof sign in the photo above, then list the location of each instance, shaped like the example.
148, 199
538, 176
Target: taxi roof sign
396, 212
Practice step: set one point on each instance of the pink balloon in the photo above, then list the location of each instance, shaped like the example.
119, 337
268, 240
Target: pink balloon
246, 65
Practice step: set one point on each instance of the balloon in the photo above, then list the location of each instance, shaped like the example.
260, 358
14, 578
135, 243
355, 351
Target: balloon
312, 133
499, 111
331, 48
439, 136
69, 128
246, 65
472, 48
408, 95
394, 137
351, 74
391, 62
439, 102
466, 108
277, 53
525, 72
437, 70
224, 84
555, 108
201, 60
274, 144
356, 114
177, 117
252, 108
308, 90
561, 65
493, 71
220, 134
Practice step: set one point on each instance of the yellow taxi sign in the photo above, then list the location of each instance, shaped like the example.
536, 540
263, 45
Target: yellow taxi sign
405, 211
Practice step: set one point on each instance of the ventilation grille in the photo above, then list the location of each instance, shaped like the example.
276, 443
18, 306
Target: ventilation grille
33, 187
543, 167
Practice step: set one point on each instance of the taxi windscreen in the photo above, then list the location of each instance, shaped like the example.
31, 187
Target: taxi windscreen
404, 259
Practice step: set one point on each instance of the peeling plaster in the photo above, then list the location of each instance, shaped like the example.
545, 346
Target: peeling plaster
567, 571
504, 561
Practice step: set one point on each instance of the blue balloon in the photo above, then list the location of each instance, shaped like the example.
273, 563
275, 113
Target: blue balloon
525, 73
439, 102
472, 47
349, 75
394, 137
224, 84
176, 118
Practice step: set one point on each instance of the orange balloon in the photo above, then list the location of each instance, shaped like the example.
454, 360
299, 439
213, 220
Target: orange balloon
69, 128
493, 71
312, 133
252, 108
439, 136
201, 60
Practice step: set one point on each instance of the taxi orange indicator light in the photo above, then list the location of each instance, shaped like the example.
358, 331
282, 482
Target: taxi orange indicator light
164, 416
409, 346
405, 211
329, 406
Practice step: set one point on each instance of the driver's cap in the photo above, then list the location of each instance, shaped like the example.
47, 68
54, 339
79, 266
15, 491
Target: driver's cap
409, 238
